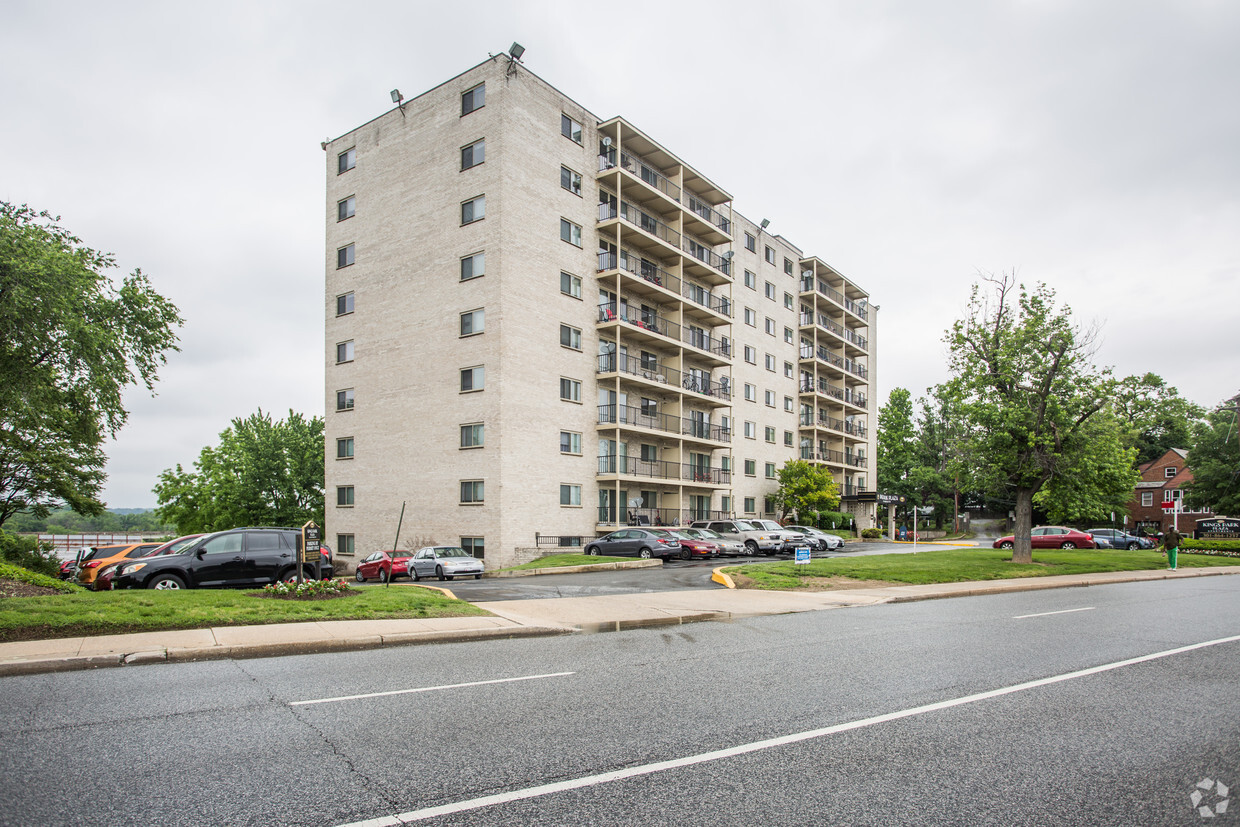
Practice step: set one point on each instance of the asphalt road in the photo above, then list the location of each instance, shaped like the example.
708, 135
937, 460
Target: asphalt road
856, 716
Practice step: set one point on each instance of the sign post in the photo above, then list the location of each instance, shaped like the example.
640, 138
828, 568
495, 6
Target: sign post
310, 552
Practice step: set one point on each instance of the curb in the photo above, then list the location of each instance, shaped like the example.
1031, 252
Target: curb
635, 564
722, 578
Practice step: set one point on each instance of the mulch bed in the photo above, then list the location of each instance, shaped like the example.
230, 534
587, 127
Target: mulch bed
320, 596
16, 588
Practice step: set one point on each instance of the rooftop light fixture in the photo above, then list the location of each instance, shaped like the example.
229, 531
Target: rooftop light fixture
516, 50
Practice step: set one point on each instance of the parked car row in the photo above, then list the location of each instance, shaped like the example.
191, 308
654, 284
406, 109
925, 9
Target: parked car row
712, 538
1054, 536
442, 562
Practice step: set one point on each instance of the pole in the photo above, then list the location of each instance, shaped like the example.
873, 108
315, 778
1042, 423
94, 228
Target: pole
396, 542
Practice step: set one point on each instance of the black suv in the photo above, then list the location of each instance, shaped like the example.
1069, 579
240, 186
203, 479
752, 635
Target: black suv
237, 557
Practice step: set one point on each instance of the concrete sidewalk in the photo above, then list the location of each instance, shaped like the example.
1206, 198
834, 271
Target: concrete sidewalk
510, 618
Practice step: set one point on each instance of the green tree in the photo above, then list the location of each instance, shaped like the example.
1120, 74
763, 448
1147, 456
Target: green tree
70, 342
1156, 416
805, 489
1214, 459
1096, 481
937, 470
1027, 391
896, 452
262, 472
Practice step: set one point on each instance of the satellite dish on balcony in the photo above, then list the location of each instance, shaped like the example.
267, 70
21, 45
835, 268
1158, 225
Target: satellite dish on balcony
635, 502
606, 140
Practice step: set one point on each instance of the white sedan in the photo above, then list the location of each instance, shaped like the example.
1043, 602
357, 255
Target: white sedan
821, 539
445, 562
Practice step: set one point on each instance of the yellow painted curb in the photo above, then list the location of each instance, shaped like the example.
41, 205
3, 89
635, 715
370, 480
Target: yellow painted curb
720, 576
933, 543
447, 592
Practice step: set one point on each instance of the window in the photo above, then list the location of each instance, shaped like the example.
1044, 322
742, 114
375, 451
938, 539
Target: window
751, 392
769, 290
472, 435
570, 390
788, 265
788, 404
472, 379
749, 505
751, 430
770, 326
751, 243
473, 266
751, 280
569, 128
770, 362
570, 232
570, 180
770, 470
570, 285
344, 400
1169, 472
346, 160
344, 304
570, 442
1167, 495
344, 448
570, 494
751, 468
770, 400
788, 369
770, 434
570, 337
751, 318
472, 491
344, 352
345, 208
473, 99
788, 437
344, 496
751, 355
473, 322
1147, 499
344, 256
475, 546
789, 302
475, 209
344, 544
473, 154
770, 255
788, 336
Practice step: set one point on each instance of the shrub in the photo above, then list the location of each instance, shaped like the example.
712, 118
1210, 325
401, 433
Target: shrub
29, 553
872, 533
1211, 548
308, 588
8, 571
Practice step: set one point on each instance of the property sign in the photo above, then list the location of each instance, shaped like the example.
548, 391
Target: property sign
1218, 528
889, 499
310, 543
802, 555
1169, 505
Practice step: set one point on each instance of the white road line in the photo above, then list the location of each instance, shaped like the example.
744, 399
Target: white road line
428, 689
756, 746
1061, 612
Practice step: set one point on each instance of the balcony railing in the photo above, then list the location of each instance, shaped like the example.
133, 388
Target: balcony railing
656, 517
639, 318
698, 294
847, 489
703, 253
834, 423
644, 268
638, 167
708, 213
662, 470
826, 323
855, 460
655, 372
704, 430
809, 284
643, 220
704, 474
848, 395
668, 423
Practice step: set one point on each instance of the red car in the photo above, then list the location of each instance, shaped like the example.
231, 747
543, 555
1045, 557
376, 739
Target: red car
695, 546
385, 565
1052, 536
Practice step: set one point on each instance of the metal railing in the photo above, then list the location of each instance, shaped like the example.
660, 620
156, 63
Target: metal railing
703, 253
809, 285
708, 213
662, 470
657, 517
655, 372
644, 221
638, 167
641, 319
843, 394
646, 269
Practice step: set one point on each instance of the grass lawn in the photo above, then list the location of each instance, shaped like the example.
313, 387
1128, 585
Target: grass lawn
555, 561
104, 613
957, 565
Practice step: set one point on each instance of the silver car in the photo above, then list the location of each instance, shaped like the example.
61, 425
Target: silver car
445, 562
727, 547
822, 540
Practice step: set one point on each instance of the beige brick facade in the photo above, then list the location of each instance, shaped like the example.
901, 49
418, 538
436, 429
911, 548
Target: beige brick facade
651, 347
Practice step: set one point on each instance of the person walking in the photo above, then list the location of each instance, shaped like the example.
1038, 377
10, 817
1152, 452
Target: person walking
1171, 545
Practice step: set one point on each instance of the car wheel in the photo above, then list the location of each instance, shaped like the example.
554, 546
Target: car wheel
592, 551
413, 574
751, 547
1132, 546
165, 582
1069, 544
383, 576
685, 554
1007, 545
477, 576
439, 572
359, 577
644, 554
290, 576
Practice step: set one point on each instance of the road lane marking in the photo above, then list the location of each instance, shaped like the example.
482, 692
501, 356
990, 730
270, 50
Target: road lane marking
1060, 612
757, 746
428, 689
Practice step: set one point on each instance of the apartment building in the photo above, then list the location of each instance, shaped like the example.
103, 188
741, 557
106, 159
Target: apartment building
542, 325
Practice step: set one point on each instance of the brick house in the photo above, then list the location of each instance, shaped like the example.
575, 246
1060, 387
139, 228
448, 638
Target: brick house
1163, 480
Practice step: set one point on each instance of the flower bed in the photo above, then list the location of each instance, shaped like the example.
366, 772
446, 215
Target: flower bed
309, 589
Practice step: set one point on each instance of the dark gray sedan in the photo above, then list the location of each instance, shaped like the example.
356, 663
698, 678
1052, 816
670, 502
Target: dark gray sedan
636, 542
445, 562
1121, 539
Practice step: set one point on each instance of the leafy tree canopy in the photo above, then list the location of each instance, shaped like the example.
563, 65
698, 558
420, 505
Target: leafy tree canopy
1156, 416
263, 472
70, 342
1027, 390
1215, 462
896, 452
805, 489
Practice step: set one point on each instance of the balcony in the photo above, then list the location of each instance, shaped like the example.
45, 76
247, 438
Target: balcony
639, 168
847, 489
611, 465
636, 417
703, 253
826, 323
824, 387
655, 517
650, 272
708, 214
810, 285
654, 372
638, 318
642, 220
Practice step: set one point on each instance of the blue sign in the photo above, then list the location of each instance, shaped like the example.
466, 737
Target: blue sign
802, 555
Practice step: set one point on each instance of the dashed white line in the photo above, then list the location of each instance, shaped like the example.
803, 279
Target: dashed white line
756, 746
1060, 612
429, 689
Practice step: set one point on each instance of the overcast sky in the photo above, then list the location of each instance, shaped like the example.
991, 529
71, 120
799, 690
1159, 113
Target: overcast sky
1092, 145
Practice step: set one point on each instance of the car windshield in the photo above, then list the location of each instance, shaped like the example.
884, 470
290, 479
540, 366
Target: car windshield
452, 552
746, 525
708, 533
101, 552
400, 555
